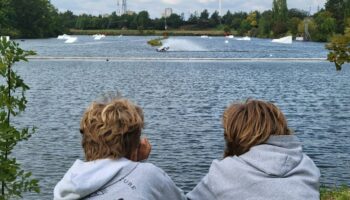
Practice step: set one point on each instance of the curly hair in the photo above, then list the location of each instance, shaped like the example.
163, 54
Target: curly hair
251, 123
111, 130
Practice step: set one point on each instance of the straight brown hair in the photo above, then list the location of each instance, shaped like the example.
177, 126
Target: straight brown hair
251, 123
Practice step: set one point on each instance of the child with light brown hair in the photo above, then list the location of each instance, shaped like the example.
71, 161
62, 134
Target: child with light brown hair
262, 159
111, 139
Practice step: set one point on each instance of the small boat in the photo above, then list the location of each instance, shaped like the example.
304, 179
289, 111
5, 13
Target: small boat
230, 36
246, 38
98, 36
163, 49
299, 38
204, 36
71, 40
63, 37
284, 40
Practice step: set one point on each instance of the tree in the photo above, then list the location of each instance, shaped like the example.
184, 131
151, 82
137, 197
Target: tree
203, 21
227, 18
227, 30
143, 20
35, 18
244, 27
68, 19
193, 19
252, 18
113, 20
6, 19
347, 9
204, 15
275, 10
13, 179
293, 24
83, 22
339, 49
338, 9
174, 21
279, 28
325, 26
214, 19
237, 19
280, 17
294, 12
280, 10
158, 23
132, 22
265, 24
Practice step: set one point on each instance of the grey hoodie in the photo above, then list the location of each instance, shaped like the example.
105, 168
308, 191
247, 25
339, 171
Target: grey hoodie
275, 170
120, 179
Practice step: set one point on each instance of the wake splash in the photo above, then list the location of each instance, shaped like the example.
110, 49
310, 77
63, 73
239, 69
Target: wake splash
181, 45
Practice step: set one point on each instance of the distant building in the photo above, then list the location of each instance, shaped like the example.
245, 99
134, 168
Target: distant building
129, 12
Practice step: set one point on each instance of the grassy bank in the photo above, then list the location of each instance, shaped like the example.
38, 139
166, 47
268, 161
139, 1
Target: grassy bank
341, 193
210, 32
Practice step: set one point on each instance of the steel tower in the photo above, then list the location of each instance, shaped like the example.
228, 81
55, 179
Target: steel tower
118, 7
124, 7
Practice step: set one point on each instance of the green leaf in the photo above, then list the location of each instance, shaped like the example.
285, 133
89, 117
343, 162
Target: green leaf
12, 103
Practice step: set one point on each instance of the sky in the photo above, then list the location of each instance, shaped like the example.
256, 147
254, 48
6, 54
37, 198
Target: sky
156, 7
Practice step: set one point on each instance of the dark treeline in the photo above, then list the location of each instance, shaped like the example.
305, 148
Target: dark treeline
29, 19
38, 18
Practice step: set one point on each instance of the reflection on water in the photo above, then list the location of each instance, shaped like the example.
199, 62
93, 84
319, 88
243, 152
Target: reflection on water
183, 103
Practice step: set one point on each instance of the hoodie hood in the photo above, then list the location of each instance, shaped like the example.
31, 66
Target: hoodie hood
275, 170
84, 178
278, 156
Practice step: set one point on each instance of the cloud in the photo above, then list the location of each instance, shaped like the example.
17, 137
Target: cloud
207, 1
171, 2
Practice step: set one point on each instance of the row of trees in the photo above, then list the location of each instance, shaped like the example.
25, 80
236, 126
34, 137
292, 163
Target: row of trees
30, 19
39, 18
277, 22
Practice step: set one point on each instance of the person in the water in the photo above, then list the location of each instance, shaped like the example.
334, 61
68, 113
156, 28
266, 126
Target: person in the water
263, 159
111, 139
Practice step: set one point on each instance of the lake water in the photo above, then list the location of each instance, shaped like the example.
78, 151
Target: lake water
183, 100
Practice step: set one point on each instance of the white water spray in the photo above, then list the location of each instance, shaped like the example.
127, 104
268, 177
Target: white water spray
182, 45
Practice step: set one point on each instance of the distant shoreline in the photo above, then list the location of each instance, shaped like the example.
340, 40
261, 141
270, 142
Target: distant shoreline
149, 32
